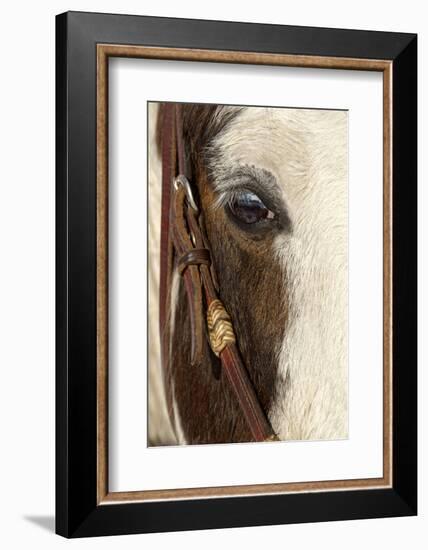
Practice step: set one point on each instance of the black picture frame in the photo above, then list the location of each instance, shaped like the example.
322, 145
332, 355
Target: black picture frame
77, 512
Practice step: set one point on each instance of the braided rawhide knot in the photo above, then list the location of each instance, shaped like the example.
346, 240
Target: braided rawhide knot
220, 328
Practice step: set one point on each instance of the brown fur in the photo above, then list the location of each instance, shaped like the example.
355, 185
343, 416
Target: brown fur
252, 289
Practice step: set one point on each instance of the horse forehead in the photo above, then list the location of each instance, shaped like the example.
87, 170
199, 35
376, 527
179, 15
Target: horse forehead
305, 149
277, 121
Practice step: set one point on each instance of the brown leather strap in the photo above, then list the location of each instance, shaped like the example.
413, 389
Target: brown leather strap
184, 232
196, 256
244, 390
182, 243
168, 172
182, 164
169, 153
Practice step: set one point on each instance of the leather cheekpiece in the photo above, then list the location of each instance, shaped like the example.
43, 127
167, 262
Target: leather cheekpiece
196, 256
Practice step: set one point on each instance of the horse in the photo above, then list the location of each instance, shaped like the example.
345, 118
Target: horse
271, 183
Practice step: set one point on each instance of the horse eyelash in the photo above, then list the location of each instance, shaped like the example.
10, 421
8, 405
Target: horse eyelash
224, 198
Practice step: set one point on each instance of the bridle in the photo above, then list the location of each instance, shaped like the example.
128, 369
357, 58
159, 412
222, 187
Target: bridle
185, 248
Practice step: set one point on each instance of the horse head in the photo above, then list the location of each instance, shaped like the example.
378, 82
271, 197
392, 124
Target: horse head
271, 186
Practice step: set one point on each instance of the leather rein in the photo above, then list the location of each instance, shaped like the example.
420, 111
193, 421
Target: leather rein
185, 248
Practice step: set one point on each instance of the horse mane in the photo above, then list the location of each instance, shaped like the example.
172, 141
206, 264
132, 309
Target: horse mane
202, 122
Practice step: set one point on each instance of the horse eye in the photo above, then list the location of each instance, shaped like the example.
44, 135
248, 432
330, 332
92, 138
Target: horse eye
249, 208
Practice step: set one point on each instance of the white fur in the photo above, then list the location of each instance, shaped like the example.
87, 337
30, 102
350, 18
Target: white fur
159, 427
178, 428
306, 151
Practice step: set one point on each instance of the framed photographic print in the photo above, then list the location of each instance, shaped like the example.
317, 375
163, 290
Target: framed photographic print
236, 274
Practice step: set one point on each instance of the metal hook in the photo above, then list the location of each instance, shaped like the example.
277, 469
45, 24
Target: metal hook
182, 180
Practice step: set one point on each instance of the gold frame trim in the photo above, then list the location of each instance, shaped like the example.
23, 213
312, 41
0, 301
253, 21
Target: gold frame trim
104, 51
